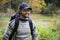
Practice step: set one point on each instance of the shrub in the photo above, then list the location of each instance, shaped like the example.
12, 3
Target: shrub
50, 9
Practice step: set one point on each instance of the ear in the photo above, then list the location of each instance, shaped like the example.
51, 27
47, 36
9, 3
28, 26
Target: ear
19, 11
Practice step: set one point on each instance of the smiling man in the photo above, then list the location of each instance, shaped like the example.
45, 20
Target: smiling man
22, 26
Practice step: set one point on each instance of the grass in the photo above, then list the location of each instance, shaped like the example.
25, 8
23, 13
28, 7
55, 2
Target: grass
3, 23
44, 24
43, 21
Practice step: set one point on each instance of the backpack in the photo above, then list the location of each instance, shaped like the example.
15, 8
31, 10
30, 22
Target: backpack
16, 17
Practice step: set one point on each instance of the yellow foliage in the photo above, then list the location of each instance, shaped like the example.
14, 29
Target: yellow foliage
3, 2
37, 5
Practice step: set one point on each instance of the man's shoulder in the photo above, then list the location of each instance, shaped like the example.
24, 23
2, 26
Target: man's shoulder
12, 22
33, 22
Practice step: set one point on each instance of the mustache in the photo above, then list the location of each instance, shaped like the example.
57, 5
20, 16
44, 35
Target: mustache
25, 16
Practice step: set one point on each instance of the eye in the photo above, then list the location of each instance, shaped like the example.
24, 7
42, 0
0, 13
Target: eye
24, 10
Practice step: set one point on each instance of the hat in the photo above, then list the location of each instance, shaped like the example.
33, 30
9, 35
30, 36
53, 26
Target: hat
24, 6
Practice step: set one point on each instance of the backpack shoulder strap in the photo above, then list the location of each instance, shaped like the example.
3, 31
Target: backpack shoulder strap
14, 16
31, 26
15, 28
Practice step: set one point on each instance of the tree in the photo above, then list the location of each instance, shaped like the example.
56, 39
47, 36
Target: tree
4, 4
57, 2
15, 3
37, 5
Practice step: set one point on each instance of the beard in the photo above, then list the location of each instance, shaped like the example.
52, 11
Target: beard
25, 16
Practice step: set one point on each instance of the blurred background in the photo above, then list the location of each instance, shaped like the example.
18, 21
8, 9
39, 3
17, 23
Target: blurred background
45, 13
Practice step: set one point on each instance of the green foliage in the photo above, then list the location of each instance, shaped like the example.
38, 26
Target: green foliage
50, 9
57, 2
15, 3
3, 23
2, 2
48, 34
1, 32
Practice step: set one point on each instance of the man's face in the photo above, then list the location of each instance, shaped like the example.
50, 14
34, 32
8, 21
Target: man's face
25, 12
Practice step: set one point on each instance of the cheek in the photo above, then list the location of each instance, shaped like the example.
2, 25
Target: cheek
23, 12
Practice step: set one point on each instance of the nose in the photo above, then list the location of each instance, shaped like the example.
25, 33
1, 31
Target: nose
27, 12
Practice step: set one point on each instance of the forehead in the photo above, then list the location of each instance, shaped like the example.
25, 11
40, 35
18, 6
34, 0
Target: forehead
25, 9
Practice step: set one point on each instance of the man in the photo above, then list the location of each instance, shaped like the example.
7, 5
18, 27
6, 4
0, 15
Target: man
23, 31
